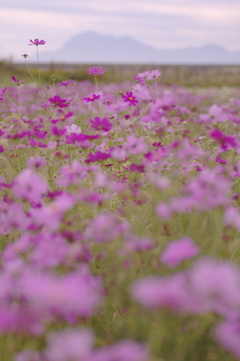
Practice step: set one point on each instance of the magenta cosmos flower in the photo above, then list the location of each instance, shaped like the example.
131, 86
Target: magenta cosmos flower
92, 98
130, 98
58, 102
96, 70
37, 42
101, 124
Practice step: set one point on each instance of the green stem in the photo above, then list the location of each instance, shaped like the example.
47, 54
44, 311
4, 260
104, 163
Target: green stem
30, 73
11, 100
39, 77
96, 82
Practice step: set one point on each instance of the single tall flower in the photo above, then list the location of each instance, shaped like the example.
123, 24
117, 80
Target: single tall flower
96, 70
130, 98
37, 42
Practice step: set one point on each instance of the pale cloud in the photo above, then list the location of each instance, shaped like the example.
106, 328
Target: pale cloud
35, 18
175, 23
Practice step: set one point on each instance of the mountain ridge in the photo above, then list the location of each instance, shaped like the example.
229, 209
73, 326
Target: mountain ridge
91, 47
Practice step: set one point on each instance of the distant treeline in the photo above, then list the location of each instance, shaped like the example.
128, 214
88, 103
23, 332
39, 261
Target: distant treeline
182, 75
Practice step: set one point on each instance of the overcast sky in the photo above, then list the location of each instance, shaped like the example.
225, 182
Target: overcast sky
161, 23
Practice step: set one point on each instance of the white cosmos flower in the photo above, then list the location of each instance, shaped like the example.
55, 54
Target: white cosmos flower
73, 128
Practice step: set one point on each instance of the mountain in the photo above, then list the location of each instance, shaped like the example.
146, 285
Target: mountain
94, 48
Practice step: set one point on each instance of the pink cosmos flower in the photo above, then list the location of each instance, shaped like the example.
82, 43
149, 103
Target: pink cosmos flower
168, 291
130, 98
37, 42
2, 92
232, 217
62, 117
105, 228
65, 83
215, 114
28, 355
101, 124
96, 70
154, 74
139, 80
51, 214
228, 334
215, 284
178, 251
135, 145
17, 81
30, 186
25, 56
36, 162
58, 102
92, 98
107, 99
149, 75
124, 350
69, 344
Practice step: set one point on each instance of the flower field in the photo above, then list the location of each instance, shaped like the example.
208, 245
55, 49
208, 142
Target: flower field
119, 221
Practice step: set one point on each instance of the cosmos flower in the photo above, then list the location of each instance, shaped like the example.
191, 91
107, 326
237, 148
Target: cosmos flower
17, 81
101, 124
96, 70
92, 98
65, 83
37, 42
58, 102
178, 251
130, 98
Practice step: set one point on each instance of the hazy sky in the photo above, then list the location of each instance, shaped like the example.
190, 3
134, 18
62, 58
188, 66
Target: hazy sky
164, 24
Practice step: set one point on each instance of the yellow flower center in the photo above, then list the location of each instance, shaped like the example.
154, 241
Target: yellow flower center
130, 98
91, 97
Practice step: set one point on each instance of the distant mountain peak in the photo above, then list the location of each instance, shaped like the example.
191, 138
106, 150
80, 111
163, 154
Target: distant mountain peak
92, 47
